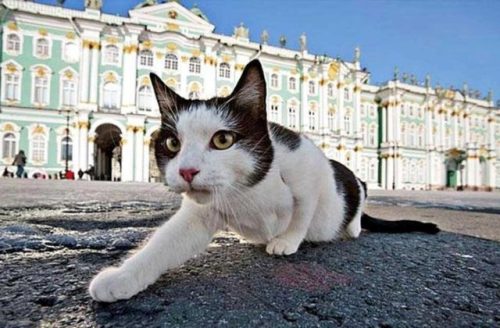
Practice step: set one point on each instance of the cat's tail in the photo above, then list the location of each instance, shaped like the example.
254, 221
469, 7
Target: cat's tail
378, 225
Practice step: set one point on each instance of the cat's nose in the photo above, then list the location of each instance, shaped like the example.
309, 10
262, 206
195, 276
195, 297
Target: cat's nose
188, 174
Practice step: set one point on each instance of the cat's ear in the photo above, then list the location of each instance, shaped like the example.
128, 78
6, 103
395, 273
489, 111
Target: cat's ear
168, 100
250, 92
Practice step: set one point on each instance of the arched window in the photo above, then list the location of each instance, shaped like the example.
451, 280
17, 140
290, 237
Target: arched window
292, 84
66, 149
9, 146
274, 80
312, 117
13, 43
41, 96
194, 65
111, 54
69, 93
347, 95
347, 123
110, 95
330, 90
275, 109
171, 62
38, 148
146, 58
224, 70
145, 98
42, 48
331, 119
12, 87
312, 88
292, 114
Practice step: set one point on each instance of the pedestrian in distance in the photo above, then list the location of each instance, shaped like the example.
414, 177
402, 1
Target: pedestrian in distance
80, 174
20, 162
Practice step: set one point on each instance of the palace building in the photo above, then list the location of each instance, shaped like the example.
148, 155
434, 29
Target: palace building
75, 89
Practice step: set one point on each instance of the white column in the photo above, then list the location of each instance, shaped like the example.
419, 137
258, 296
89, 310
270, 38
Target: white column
304, 106
139, 153
84, 72
75, 137
91, 151
128, 155
94, 74
210, 74
340, 106
383, 178
84, 126
129, 82
145, 157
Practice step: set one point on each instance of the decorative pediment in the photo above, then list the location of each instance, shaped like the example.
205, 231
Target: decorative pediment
69, 73
11, 67
172, 16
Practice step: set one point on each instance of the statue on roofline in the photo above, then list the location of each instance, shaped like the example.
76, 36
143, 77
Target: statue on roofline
283, 41
303, 42
93, 4
264, 37
241, 31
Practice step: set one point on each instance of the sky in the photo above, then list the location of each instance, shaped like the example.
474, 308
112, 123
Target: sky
455, 41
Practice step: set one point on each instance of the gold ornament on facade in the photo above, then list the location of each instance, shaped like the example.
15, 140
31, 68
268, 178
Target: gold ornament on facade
38, 129
159, 55
324, 145
172, 83
145, 81
83, 125
449, 94
172, 14
147, 44
40, 72
340, 147
304, 78
357, 88
293, 71
340, 85
184, 58
70, 35
11, 68
172, 27
147, 142
12, 26
91, 139
43, 32
195, 87
491, 120
358, 148
123, 141
239, 67
68, 74
130, 48
110, 77
8, 128
196, 53
333, 70
112, 40
171, 46
322, 82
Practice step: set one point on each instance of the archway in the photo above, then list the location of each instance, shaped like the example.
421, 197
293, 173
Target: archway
108, 153
154, 172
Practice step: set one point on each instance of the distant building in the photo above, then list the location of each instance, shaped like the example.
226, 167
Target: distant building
92, 68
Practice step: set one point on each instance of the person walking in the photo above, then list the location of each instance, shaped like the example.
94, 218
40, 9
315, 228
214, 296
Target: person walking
20, 162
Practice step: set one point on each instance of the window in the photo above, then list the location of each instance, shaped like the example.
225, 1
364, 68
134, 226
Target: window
347, 123
146, 58
312, 88
9, 146
12, 87
331, 119
292, 84
372, 135
13, 43
363, 110
274, 80
41, 96
145, 98
330, 90
365, 133
312, 116
224, 70
71, 52
347, 95
194, 65
38, 148
421, 137
42, 48
373, 111
171, 62
66, 149
292, 115
69, 93
110, 95
413, 137
275, 109
111, 54
194, 95
372, 171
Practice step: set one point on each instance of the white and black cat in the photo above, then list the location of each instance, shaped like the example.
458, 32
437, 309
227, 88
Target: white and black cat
237, 170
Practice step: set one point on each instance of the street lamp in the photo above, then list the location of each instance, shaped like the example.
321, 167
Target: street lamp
394, 164
66, 146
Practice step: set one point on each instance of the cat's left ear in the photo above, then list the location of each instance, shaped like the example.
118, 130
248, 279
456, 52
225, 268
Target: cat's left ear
168, 100
250, 92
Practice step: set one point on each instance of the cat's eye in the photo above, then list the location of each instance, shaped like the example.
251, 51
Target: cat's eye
173, 144
223, 140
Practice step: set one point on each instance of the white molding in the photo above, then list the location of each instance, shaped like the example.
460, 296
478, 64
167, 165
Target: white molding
19, 33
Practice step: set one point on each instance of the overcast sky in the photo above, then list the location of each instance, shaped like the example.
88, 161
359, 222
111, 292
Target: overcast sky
454, 41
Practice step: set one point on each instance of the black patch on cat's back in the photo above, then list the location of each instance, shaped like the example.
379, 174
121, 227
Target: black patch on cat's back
285, 136
347, 184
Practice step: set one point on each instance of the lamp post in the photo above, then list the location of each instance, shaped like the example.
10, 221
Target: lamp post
66, 146
394, 164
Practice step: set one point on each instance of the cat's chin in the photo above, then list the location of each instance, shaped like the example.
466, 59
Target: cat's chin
199, 196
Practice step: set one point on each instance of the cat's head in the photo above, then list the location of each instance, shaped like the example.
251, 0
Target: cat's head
215, 145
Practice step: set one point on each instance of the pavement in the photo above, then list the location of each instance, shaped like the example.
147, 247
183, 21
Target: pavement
56, 235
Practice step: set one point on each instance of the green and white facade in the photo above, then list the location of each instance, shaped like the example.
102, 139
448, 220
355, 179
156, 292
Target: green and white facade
92, 69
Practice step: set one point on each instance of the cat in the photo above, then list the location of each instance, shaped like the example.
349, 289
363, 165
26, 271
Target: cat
236, 170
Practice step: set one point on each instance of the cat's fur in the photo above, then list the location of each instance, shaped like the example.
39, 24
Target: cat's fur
272, 186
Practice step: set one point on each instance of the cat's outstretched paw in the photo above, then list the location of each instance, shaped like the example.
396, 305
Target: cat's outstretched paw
113, 284
282, 246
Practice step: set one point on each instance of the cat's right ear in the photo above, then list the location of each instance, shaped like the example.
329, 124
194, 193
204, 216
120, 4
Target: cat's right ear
168, 100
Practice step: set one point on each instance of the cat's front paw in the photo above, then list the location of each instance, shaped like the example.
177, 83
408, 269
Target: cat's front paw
282, 246
113, 284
